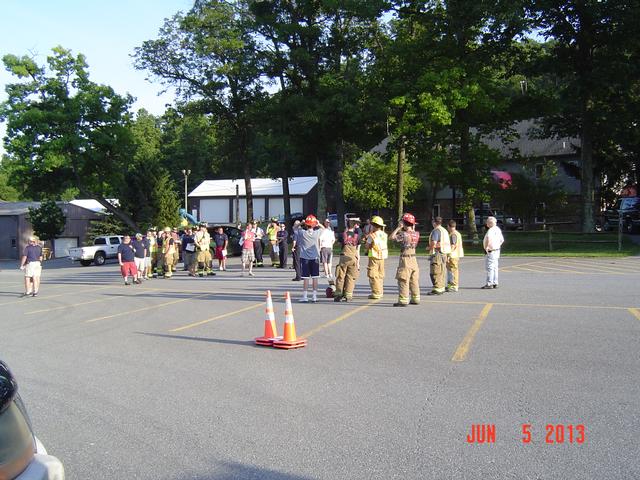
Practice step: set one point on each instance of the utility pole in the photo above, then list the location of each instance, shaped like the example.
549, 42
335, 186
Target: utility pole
186, 174
400, 179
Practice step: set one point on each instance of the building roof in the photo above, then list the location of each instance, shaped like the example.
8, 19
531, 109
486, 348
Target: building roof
94, 205
525, 142
260, 187
20, 208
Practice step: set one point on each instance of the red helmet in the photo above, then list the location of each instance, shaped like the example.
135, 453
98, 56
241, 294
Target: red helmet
330, 291
408, 218
311, 221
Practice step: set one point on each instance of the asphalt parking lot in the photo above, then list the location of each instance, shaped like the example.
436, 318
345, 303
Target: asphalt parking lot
163, 381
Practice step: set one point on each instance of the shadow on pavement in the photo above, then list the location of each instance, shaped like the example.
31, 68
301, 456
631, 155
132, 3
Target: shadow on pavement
235, 471
246, 343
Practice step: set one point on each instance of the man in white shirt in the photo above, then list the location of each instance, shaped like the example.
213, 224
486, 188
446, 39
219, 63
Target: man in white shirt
492, 242
327, 239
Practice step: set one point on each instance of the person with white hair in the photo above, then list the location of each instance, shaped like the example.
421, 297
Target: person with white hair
492, 243
31, 263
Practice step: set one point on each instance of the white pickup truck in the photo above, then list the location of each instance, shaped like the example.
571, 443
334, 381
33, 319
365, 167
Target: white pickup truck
103, 247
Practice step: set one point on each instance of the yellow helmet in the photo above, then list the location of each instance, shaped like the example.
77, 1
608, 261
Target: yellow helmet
377, 221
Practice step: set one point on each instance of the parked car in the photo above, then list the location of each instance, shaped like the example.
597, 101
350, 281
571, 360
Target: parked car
294, 216
22, 455
333, 218
629, 209
234, 234
103, 247
505, 221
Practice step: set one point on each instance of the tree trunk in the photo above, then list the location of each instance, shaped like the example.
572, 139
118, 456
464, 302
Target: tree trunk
126, 219
286, 196
400, 180
586, 159
249, 191
340, 208
465, 162
322, 194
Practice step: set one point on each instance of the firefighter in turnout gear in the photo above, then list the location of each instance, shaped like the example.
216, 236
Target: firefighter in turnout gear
457, 252
408, 271
439, 247
168, 252
376, 247
202, 240
153, 253
347, 270
159, 265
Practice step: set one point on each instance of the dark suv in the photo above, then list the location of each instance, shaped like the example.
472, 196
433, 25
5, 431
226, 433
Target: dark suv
629, 209
234, 234
22, 455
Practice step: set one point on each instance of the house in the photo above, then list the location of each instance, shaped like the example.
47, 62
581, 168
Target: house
216, 201
15, 228
524, 149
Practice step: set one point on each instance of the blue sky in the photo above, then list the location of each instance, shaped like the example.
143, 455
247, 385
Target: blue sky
106, 32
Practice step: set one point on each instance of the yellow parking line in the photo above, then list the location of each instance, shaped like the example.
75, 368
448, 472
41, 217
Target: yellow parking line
62, 307
595, 266
563, 270
462, 350
339, 319
530, 269
635, 312
43, 297
218, 317
150, 307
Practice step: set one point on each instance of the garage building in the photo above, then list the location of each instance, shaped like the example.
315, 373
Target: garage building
15, 228
214, 201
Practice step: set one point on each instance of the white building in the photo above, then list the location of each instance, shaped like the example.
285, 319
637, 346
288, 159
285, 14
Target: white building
214, 201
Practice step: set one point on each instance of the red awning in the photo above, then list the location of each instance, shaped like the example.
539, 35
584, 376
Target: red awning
503, 178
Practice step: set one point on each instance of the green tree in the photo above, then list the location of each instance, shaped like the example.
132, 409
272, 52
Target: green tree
210, 56
446, 67
47, 220
317, 53
7, 192
526, 193
189, 142
594, 51
107, 224
370, 182
143, 171
65, 131
166, 201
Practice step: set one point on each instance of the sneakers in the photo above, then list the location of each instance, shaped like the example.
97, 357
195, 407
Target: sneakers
251, 274
304, 300
34, 294
495, 286
126, 283
486, 287
314, 299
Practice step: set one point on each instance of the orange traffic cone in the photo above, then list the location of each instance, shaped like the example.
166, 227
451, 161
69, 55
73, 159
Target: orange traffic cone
270, 330
290, 340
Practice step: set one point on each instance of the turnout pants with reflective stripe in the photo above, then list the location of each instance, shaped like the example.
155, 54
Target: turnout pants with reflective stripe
452, 272
407, 276
375, 272
346, 273
438, 271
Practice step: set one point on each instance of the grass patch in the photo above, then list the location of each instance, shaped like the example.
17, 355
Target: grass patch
536, 244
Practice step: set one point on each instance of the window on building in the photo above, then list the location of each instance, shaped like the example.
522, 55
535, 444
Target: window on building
436, 210
539, 170
539, 216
